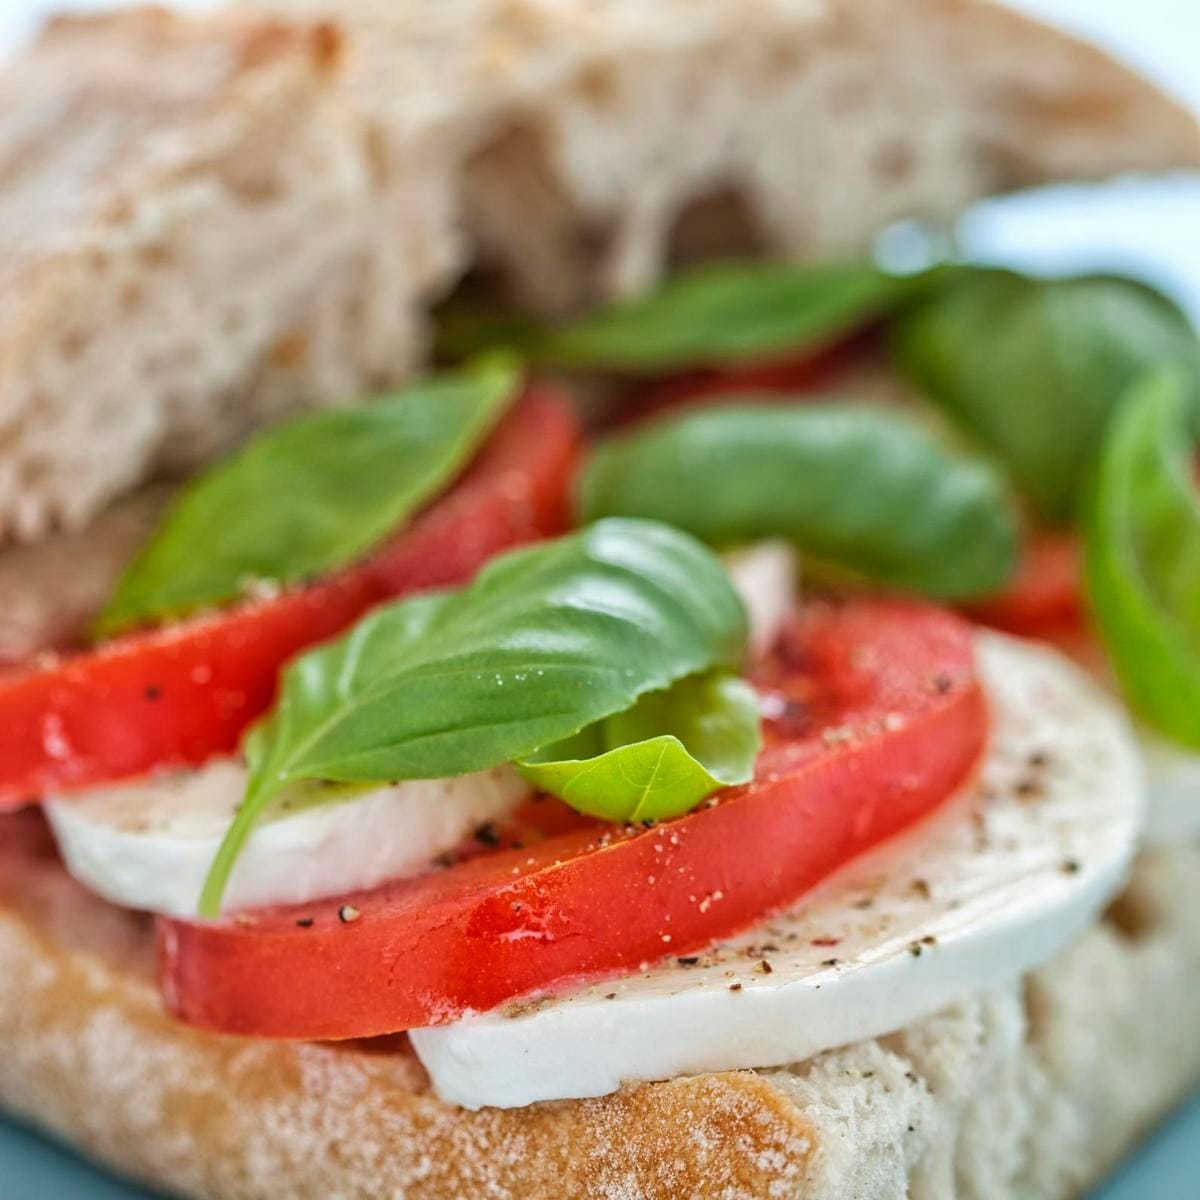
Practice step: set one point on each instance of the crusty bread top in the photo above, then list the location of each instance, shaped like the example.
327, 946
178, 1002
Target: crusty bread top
207, 222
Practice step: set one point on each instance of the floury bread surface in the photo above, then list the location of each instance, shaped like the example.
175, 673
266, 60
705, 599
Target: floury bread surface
1005, 1096
207, 222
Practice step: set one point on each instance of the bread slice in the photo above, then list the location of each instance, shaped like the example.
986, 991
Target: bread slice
1004, 1096
604, 138
206, 222
172, 195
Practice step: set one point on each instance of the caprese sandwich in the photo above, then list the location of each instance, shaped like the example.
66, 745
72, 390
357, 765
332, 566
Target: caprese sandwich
739, 740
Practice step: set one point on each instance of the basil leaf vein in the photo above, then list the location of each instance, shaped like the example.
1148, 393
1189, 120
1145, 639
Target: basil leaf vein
661, 757
1143, 556
544, 642
858, 488
310, 495
1033, 368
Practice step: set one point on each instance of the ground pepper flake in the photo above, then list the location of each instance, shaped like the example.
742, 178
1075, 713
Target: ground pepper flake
486, 834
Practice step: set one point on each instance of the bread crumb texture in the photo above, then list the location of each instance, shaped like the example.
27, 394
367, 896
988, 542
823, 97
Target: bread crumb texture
206, 222
1029, 1092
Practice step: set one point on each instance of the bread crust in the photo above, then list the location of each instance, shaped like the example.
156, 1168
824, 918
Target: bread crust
1001, 1096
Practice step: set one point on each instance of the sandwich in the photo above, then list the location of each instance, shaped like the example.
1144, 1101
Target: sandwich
532, 666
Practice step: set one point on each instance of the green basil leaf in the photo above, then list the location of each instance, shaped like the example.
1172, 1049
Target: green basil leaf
545, 641
715, 314
661, 757
861, 489
1033, 368
310, 495
1143, 555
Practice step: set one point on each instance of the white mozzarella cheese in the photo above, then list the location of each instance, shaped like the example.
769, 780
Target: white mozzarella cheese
149, 844
1173, 784
765, 575
1014, 869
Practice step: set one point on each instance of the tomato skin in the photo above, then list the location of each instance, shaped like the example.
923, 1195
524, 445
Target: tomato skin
600, 900
178, 695
1044, 598
792, 377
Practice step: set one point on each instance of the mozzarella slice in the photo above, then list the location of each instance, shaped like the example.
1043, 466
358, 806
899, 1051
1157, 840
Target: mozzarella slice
1173, 782
149, 844
765, 575
1013, 870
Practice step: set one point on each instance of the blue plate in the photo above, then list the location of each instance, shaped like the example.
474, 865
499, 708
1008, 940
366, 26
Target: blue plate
1166, 1168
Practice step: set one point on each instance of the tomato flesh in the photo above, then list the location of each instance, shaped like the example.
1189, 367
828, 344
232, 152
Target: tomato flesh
1044, 597
180, 694
792, 376
874, 716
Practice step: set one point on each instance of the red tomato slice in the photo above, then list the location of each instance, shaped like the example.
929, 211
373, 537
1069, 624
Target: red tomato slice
180, 694
875, 716
790, 376
1043, 598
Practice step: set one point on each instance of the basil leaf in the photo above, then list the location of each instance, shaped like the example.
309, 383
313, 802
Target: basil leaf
861, 489
545, 641
706, 316
1033, 368
1143, 556
311, 495
660, 758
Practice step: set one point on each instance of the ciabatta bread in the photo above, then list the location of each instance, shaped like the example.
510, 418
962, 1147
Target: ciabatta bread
1003, 1097
207, 222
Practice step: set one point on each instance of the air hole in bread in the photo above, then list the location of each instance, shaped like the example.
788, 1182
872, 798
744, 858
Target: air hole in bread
378, 156
156, 254
35, 470
600, 87
290, 351
131, 295
73, 343
1038, 1011
894, 161
1135, 915
719, 224
541, 250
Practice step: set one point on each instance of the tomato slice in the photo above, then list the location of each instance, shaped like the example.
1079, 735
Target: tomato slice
180, 694
790, 376
1044, 597
874, 717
